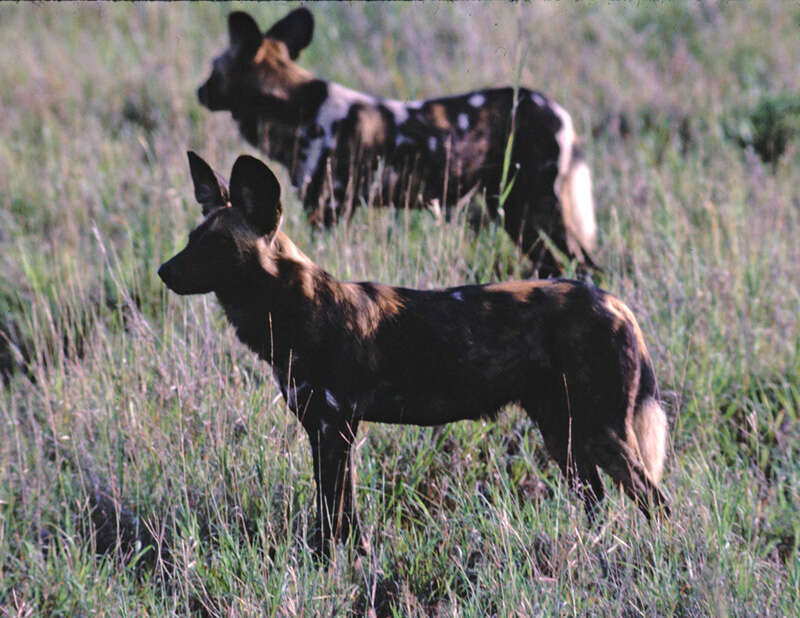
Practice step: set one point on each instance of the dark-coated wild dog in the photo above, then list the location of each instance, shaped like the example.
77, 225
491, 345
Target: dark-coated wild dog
572, 355
341, 146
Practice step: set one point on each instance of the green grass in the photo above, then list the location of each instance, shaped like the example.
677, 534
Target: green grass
123, 398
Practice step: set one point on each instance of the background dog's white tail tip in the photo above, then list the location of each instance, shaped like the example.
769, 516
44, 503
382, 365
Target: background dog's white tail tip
580, 186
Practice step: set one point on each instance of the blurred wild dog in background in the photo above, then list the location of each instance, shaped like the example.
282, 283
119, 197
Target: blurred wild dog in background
570, 354
341, 146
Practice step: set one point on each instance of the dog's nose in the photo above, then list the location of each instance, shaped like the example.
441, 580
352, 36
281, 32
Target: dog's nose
163, 271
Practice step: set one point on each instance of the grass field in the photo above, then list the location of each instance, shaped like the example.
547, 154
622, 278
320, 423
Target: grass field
132, 417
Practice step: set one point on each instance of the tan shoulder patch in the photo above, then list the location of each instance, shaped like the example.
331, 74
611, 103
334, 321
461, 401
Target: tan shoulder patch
389, 301
522, 289
371, 128
281, 258
439, 117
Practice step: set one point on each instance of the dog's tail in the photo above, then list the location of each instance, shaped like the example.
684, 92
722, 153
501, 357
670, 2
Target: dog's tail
650, 424
577, 205
573, 187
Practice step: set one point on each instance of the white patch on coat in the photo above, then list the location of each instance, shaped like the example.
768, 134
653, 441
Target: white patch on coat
538, 99
457, 295
338, 102
304, 172
331, 400
335, 107
432, 144
398, 108
463, 122
476, 100
402, 138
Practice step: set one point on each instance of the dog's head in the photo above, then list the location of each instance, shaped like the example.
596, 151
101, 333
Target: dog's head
238, 230
256, 64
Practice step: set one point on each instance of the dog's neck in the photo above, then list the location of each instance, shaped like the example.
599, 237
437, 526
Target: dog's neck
278, 125
289, 308
275, 304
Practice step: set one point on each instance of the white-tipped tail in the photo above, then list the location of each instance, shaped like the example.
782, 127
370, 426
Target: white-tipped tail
573, 187
650, 427
580, 203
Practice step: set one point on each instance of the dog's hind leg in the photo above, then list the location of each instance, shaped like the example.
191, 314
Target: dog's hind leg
581, 473
620, 460
573, 460
589, 485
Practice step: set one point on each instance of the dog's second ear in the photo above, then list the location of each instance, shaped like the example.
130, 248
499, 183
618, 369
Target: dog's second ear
296, 30
210, 189
244, 33
257, 193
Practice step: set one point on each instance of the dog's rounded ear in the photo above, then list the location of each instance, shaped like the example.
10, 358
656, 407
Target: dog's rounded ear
257, 193
296, 30
245, 35
210, 189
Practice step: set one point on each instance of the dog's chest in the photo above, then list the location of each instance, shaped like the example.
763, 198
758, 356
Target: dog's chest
302, 394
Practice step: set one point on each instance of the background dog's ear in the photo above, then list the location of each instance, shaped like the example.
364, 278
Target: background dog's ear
296, 30
210, 189
257, 193
245, 35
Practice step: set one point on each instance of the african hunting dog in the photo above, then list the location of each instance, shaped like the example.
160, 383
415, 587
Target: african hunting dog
341, 146
570, 354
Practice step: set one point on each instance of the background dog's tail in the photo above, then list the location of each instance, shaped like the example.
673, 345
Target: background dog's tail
650, 426
577, 205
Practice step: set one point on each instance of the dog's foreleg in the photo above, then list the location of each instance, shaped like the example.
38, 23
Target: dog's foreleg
331, 440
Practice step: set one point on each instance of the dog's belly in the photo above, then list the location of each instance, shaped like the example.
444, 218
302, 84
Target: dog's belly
431, 407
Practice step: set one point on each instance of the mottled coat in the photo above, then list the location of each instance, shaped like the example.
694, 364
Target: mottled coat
341, 146
570, 354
